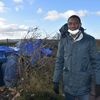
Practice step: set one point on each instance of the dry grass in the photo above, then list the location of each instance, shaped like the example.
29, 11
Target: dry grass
38, 81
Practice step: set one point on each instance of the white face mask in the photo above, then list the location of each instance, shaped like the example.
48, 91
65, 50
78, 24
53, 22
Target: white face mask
73, 32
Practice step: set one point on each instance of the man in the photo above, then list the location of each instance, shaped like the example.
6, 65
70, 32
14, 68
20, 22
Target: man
77, 59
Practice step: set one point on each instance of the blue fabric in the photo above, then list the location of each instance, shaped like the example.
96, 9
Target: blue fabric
6, 49
27, 48
1, 76
2, 56
69, 97
4, 52
46, 51
10, 69
81, 97
33, 50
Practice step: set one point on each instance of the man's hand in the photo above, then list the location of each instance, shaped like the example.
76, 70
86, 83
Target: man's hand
92, 93
56, 87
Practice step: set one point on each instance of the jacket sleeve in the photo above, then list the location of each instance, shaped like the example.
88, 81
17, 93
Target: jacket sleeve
59, 62
94, 56
95, 61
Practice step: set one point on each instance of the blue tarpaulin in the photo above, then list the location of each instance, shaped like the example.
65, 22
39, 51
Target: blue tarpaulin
4, 50
10, 69
34, 50
29, 48
46, 51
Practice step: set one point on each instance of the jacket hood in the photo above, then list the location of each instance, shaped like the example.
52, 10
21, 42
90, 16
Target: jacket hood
64, 30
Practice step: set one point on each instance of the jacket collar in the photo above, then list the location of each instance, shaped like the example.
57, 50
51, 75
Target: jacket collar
78, 37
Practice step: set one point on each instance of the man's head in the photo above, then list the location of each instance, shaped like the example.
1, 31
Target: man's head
74, 22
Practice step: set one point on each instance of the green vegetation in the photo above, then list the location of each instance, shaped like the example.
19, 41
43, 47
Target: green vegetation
7, 44
41, 96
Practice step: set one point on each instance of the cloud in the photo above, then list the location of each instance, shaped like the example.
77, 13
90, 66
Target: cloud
18, 4
31, 1
18, 1
2, 21
54, 15
2, 7
98, 13
13, 27
18, 7
12, 31
80, 13
15, 31
39, 10
13, 35
6, 27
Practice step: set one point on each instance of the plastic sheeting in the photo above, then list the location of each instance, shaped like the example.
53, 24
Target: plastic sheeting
10, 69
34, 50
27, 48
4, 65
4, 51
46, 52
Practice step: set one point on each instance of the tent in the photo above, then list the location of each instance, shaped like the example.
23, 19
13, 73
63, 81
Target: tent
4, 51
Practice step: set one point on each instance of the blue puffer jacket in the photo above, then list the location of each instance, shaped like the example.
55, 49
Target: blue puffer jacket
77, 61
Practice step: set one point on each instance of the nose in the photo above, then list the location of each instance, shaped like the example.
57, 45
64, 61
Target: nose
73, 26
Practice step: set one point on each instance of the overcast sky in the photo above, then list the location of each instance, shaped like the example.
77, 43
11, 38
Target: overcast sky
17, 16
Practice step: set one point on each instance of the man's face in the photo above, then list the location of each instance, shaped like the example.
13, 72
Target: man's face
73, 24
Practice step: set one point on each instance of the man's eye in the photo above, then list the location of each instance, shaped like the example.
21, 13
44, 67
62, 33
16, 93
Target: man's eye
73, 23
69, 23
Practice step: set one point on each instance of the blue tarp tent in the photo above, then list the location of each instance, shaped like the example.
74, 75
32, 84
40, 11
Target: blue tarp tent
28, 48
4, 51
10, 71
